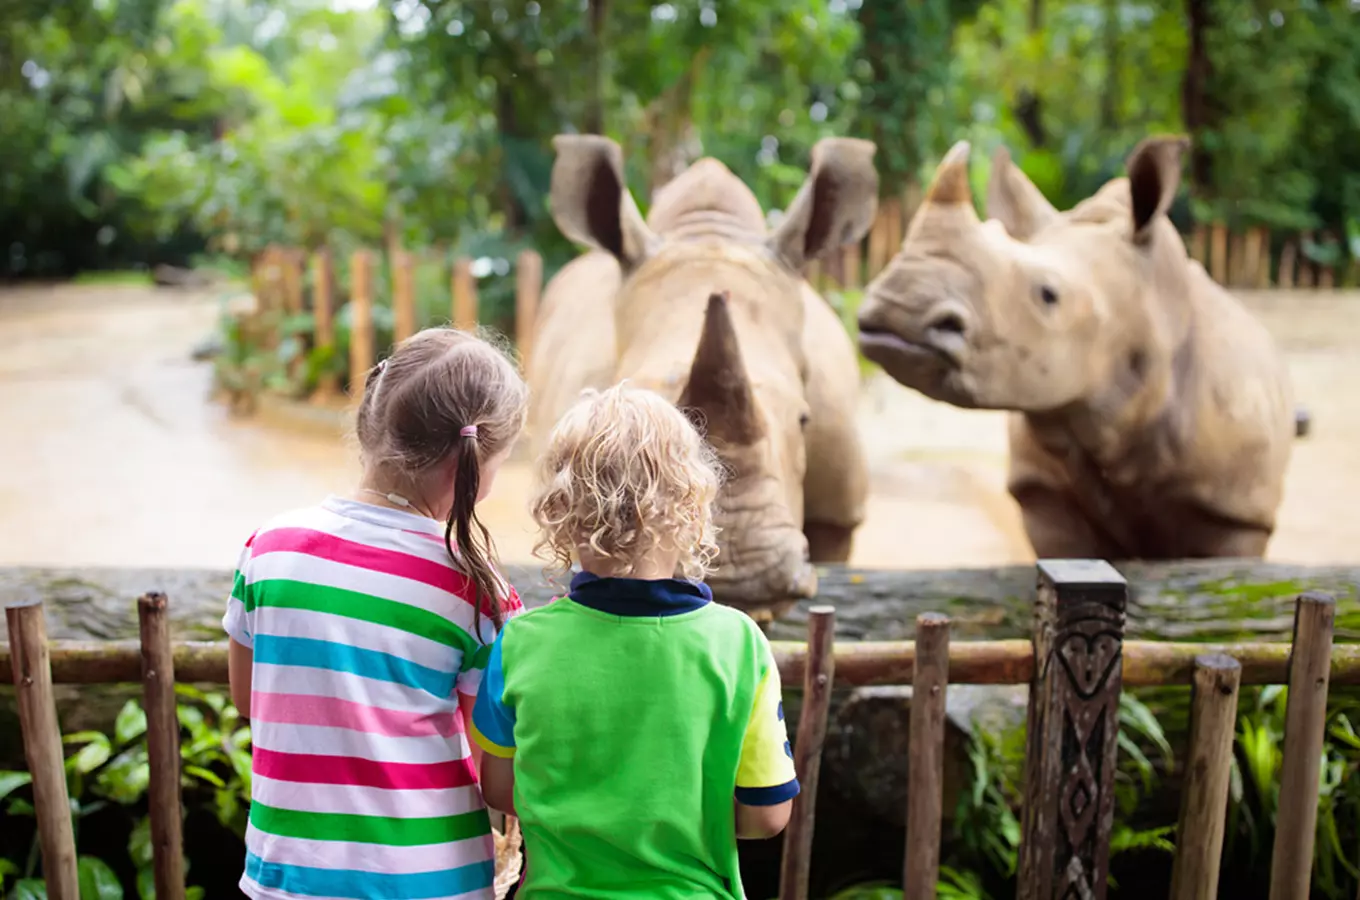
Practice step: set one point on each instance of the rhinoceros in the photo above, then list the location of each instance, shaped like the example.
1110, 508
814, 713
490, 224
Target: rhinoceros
700, 303
1152, 413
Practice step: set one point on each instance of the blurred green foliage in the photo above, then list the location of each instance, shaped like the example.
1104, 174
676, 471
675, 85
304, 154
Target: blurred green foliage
141, 131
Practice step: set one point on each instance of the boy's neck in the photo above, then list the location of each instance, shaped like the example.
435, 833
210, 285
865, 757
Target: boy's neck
651, 567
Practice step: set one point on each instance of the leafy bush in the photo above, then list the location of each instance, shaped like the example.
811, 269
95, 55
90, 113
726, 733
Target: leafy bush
113, 769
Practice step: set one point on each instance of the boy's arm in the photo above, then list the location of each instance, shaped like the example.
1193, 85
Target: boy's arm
492, 728
766, 781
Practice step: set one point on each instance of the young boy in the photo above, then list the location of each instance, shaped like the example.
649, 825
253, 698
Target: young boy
634, 726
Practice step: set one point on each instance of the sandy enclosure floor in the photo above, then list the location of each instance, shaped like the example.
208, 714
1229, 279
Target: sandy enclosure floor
113, 455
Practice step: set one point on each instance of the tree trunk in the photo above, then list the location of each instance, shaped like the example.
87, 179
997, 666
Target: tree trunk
594, 119
1194, 95
1028, 106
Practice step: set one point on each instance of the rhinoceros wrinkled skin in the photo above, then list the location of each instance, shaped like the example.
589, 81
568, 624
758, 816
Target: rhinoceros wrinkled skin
1153, 414
703, 305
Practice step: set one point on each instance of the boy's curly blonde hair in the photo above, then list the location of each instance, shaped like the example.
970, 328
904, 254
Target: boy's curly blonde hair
626, 473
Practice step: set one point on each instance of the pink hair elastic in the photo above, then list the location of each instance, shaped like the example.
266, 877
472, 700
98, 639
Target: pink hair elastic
468, 431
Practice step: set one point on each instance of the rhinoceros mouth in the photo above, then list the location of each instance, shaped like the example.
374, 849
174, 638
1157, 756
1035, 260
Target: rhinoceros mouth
889, 349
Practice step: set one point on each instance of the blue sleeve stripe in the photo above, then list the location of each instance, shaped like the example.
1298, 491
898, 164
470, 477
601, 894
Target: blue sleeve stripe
768, 796
492, 719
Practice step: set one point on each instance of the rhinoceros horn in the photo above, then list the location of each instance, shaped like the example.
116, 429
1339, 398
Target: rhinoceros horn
718, 395
949, 199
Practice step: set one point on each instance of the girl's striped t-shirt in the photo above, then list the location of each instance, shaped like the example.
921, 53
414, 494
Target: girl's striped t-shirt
362, 635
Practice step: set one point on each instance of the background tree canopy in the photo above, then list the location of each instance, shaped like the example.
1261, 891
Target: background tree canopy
141, 131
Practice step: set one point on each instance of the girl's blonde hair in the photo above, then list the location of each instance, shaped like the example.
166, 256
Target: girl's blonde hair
625, 473
446, 393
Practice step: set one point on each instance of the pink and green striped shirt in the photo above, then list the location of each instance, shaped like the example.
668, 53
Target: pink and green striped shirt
362, 783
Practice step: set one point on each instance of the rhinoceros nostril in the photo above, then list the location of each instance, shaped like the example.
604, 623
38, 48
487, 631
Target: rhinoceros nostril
947, 321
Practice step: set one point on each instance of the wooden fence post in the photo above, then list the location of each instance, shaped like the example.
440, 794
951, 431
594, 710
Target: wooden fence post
1073, 728
1285, 278
1197, 244
360, 321
292, 262
464, 296
528, 285
162, 746
1304, 277
925, 757
796, 865
878, 239
32, 671
853, 262
1208, 767
1291, 863
323, 310
1251, 257
1218, 260
1237, 260
1263, 259
403, 296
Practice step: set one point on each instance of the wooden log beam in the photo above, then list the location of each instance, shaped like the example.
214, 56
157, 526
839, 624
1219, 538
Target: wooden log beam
858, 664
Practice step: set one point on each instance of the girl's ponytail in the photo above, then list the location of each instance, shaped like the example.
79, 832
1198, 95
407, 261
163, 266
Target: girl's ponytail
467, 539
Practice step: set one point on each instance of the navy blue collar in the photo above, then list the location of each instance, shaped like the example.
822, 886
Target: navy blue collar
639, 597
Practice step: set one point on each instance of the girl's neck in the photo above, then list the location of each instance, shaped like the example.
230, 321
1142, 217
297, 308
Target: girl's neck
375, 489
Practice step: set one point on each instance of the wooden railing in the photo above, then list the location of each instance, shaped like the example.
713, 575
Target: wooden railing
1076, 666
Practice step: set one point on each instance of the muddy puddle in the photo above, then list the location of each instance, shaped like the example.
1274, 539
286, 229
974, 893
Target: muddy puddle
113, 455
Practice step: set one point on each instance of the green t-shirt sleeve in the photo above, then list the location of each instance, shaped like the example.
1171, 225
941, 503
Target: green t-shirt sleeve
765, 773
493, 720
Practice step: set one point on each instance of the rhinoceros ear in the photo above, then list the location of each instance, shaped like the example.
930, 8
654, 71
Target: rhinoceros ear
1154, 177
835, 205
717, 398
590, 200
1014, 200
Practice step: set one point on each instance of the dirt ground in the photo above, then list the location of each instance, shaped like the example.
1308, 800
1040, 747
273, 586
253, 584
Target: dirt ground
112, 453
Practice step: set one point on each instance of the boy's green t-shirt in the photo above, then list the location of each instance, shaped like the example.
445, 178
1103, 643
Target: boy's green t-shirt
636, 712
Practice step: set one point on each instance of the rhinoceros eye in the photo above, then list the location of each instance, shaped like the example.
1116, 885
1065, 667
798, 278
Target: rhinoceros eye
803, 419
1048, 295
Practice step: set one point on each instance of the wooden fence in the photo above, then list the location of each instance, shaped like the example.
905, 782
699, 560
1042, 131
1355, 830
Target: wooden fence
1076, 666
277, 280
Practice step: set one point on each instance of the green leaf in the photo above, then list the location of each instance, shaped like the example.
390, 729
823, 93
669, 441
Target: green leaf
194, 893
131, 722
97, 881
146, 883
139, 843
92, 755
204, 774
12, 781
29, 889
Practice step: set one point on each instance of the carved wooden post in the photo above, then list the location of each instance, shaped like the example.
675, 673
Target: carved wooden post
1073, 730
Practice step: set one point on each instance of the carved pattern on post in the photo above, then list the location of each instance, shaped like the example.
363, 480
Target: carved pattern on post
1073, 731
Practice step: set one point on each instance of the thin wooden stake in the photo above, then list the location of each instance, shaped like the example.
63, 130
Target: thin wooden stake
528, 285
796, 865
162, 746
1305, 718
1198, 240
1073, 728
1285, 279
403, 296
42, 747
1218, 262
853, 261
464, 296
323, 311
1204, 799
925, 757
360, 321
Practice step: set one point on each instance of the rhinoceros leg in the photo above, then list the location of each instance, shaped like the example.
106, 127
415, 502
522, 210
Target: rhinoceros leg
836, 485
1058, 527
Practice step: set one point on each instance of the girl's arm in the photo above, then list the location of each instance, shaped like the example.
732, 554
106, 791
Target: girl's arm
466, 702
239, 659
498, 783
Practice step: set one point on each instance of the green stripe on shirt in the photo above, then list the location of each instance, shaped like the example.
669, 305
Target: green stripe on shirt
286, 594
385, 830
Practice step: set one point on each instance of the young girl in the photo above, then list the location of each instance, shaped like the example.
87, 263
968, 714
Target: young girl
359, 631
634, 726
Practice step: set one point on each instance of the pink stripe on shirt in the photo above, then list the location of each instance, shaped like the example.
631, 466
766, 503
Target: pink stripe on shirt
363, 556
308, 768
332, 712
